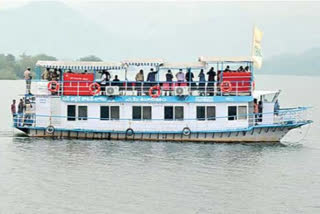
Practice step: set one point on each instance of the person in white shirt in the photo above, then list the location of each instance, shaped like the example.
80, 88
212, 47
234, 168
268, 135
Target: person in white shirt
28, 77
180, 76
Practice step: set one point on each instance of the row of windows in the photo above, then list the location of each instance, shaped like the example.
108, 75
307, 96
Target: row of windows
145, 113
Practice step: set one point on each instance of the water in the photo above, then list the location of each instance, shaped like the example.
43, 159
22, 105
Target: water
79, 176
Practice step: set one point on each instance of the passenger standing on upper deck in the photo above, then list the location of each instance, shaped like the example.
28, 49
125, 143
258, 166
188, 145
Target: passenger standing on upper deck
28, 78
107, 75
180, 76
211, 79
140, 76
202, 82
46, 74
169, 76
168, 85
103, 80
152, 75
189, 79
189, 76
139, 79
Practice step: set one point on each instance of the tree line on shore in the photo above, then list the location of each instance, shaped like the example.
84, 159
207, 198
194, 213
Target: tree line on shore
12, 67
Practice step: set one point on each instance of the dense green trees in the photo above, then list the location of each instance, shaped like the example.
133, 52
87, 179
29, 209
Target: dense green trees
12, 67
90, 58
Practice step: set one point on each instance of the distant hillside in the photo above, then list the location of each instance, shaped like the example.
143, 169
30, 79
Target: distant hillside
307, 63
52, 28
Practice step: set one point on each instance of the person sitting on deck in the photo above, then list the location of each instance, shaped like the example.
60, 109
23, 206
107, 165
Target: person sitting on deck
227, 69
116, 79
211, 79
246, 69
240, 69
180, 76
139, 79
46, 74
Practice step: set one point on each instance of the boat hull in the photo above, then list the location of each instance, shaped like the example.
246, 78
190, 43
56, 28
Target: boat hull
255, 134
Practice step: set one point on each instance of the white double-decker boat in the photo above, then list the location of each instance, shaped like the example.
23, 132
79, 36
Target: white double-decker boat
76, 104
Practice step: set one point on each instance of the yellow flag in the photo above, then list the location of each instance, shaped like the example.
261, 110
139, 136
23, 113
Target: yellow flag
256, 48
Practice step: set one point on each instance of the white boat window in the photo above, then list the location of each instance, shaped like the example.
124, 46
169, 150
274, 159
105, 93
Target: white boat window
242, 112
179, 114
141, 113
173, 112
206, 113
104, 113
211, 112
201, 112
82, 112
232, 112
109, 112
168, 112
71, 112
147, 112
115, 112
136, 112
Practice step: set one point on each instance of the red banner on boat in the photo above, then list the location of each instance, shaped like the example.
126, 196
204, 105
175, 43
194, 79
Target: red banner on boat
77, 84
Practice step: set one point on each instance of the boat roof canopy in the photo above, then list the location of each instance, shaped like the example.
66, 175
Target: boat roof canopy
143, 62
212, 59
194, 65
80, 65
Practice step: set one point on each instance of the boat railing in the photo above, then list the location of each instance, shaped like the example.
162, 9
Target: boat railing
282, 117
136, 88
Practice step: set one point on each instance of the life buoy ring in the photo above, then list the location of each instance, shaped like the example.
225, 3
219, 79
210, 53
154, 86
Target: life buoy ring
50, 129
152, 89
94, 88
129, 132
53, 86
226, 86
186, 131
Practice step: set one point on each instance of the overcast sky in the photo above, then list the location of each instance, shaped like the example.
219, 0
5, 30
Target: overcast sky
220, 28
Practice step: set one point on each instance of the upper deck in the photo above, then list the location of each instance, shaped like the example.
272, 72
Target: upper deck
209, 76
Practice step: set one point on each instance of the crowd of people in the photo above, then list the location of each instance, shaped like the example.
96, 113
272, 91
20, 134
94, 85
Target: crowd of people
22, 113
180, 78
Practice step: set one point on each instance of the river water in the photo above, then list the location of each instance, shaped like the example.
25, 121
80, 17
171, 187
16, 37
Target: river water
79, 176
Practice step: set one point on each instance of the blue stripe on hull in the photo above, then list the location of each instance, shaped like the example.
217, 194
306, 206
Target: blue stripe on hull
161, 99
